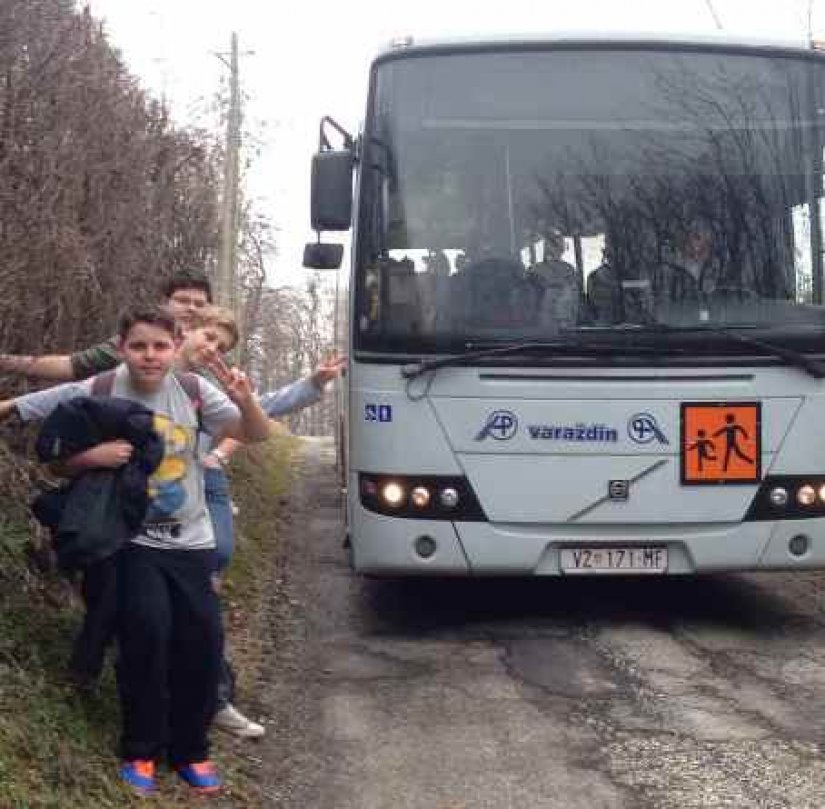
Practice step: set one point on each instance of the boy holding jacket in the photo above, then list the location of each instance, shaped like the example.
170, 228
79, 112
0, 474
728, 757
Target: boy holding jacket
168, 626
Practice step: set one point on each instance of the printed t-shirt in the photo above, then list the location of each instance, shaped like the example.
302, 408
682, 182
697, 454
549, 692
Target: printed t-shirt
177, 517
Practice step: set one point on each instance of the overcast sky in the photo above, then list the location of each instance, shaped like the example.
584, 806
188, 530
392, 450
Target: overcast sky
312, 60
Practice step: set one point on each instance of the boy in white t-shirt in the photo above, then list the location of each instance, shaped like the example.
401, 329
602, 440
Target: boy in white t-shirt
169, 628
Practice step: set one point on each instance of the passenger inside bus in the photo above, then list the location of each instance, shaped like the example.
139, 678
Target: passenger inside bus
691, 266
486, 292
680, 278
434, 289
399, 302
558, 292
619, 290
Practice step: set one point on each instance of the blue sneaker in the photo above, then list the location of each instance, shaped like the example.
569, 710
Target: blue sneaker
201, 776
139, 775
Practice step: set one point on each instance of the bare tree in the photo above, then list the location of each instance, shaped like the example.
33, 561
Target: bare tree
102, 196
294, 335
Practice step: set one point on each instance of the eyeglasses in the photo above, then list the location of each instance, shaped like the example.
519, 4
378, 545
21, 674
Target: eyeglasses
188, 300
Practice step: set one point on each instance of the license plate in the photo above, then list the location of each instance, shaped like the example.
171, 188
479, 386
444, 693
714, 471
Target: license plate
613, 560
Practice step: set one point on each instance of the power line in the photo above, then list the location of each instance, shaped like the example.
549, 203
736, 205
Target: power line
712, 10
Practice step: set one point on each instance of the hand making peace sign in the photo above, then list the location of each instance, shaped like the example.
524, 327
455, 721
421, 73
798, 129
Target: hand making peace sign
234, 381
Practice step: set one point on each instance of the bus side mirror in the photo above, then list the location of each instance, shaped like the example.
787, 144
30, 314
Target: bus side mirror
332, 190
320, 256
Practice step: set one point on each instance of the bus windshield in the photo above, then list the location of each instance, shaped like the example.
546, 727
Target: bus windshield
536, 194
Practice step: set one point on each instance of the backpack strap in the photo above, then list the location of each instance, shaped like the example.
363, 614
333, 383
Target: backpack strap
103, 384
189, 382
191, 386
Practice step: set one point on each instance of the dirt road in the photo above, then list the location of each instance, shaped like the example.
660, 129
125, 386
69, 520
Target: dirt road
497, 694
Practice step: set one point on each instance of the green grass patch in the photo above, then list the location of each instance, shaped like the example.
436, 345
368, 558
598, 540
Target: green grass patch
55, 746
260, 480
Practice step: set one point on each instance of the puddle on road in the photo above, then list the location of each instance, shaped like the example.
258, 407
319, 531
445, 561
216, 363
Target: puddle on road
566, 668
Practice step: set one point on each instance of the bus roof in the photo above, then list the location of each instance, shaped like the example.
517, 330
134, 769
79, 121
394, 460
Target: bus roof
407, 46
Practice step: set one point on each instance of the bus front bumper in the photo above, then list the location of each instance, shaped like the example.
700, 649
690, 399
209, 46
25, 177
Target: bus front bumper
391, 546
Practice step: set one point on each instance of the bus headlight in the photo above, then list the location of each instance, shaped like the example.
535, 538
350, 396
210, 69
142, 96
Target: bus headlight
449, 497
393, 494
806, 495
789, 497
420, 497
369, 488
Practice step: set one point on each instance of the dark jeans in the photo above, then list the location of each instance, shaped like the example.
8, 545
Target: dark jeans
99, 590
219, 503
170, 639
226, 685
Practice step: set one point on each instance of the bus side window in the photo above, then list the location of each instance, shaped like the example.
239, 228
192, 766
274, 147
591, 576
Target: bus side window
803, 263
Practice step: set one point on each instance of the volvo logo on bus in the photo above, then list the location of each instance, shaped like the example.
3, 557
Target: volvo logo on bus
643, 428
501, 425
618, 489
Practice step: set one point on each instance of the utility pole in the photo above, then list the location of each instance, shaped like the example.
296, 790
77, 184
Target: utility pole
227, 286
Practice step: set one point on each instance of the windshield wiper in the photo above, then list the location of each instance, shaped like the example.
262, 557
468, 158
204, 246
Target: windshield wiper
798, 359
475, 352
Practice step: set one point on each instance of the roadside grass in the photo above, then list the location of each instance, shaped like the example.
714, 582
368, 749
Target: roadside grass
260, 479
261, 476
57, 746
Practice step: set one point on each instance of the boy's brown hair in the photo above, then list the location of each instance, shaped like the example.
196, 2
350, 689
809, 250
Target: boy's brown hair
187, 280
152, 315
217, 316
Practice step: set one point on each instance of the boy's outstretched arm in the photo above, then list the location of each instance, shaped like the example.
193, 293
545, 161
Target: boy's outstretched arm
57, 367
329, 368
303, 392
296, 396
64, 367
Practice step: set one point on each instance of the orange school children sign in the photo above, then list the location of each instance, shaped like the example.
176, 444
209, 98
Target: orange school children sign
721, 442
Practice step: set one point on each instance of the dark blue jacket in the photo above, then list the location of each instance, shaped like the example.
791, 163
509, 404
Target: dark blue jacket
101, 509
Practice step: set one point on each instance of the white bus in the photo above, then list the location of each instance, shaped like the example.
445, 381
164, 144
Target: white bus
584, 312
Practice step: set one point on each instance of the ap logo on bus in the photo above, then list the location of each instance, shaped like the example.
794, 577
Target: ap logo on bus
501, 425
643, 428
